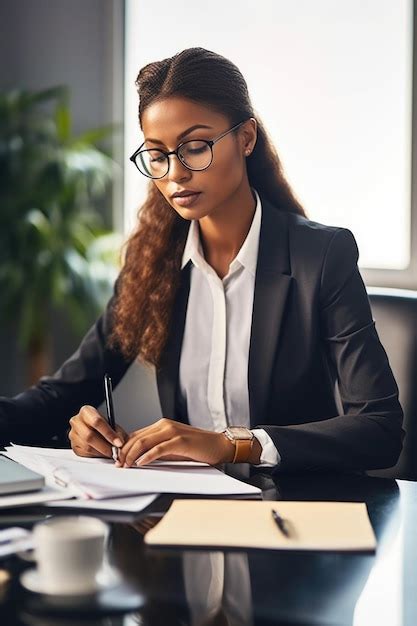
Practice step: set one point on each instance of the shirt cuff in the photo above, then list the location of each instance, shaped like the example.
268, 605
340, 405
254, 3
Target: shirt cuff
270, 457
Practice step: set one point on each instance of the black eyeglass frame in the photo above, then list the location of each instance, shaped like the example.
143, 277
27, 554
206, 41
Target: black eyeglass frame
209, 142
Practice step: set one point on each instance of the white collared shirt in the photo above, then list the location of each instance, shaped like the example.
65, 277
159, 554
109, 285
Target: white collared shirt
213, 374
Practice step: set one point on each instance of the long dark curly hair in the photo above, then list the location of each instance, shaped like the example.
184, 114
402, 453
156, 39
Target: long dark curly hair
150, 276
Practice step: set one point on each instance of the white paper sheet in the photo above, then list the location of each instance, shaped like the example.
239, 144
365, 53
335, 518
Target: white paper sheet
14, 540
63, 497
68, 455
103, 480
46, 494
132, 504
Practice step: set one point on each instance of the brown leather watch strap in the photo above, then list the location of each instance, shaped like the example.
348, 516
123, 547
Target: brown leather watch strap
243, 448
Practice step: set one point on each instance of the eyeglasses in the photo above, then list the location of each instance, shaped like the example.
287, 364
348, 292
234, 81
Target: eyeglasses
195, 155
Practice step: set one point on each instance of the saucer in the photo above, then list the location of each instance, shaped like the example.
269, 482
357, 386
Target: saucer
32, 581
112, 596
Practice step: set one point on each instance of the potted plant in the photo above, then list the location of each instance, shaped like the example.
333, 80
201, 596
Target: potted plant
54, 249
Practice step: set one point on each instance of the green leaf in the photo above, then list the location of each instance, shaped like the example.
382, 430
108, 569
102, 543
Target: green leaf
40, 223
63, 123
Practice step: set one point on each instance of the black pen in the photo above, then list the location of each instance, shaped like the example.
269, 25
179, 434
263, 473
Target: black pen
280, 522
110, 412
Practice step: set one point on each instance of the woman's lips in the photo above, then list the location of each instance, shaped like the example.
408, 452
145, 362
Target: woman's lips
187, 201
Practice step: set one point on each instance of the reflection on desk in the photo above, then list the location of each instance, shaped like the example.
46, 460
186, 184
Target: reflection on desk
251, 588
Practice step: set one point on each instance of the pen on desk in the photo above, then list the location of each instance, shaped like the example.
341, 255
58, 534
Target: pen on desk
280, 522
110, 411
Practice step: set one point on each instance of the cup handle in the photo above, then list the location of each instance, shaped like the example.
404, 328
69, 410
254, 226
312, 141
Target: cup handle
27, 555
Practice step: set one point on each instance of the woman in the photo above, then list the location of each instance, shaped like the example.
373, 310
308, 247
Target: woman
249, 312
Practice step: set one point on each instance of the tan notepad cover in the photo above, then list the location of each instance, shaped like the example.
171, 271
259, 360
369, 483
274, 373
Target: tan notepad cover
246, 524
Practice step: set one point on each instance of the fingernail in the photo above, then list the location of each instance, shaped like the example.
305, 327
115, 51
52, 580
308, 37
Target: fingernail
139, 461
117, 442
118, 464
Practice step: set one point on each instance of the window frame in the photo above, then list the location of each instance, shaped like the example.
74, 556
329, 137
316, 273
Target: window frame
404, 278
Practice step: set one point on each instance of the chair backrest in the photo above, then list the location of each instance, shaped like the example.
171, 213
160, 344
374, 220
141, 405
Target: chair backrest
395, 315
136, 400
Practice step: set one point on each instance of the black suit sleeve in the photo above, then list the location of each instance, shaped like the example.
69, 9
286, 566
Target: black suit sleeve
42, 412
368, 435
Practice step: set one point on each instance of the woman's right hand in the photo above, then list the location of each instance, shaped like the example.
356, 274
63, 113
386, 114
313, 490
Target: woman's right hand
91, 435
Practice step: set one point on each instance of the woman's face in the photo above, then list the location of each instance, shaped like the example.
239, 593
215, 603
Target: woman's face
164, 125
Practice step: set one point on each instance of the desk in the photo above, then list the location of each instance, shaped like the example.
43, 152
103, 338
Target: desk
179, 587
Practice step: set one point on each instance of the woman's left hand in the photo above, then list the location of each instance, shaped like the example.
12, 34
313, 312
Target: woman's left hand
171, 440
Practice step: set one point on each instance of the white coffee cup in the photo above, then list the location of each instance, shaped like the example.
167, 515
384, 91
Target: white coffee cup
69, 551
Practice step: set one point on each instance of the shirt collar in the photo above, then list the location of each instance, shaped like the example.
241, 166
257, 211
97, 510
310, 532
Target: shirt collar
193, 250
248, 253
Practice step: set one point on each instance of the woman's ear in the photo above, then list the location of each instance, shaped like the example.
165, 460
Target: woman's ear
249, 135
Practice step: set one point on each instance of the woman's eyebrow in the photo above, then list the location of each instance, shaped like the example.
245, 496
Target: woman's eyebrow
181, 135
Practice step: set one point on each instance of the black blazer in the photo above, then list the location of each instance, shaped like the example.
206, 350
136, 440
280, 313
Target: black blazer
319, 379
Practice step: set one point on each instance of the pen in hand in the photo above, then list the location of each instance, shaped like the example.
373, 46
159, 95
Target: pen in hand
110, 412
281, 523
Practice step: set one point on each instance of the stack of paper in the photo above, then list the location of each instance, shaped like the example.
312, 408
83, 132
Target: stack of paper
100, 483
31, 498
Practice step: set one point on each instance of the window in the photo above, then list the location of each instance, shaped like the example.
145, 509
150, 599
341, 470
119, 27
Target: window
332, 82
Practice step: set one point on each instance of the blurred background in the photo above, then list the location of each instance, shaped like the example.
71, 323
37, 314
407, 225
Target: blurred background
332, 81
61, 125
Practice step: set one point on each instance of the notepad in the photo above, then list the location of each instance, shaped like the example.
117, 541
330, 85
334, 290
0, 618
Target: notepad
335, 526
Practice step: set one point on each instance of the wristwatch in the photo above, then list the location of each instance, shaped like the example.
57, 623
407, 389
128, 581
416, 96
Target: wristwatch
243, 439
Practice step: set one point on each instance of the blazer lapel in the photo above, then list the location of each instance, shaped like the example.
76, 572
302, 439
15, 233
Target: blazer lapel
272, 285
167, 373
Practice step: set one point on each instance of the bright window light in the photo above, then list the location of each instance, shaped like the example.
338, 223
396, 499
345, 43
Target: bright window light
332, 82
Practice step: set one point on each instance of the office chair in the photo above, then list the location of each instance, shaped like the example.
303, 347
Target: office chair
395, 315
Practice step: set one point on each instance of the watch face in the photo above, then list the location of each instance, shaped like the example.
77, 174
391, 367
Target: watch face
240, 432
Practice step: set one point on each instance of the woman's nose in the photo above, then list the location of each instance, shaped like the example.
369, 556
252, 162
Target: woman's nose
177, 171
